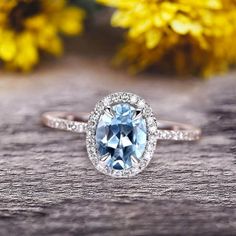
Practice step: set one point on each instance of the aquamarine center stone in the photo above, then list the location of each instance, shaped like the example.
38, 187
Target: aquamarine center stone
121, 136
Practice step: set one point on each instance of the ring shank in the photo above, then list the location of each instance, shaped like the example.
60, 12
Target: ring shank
167, 130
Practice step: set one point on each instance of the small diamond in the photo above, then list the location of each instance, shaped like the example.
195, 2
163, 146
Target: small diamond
147, 110
99, 106
72, 126
56, 124
153, 139
141, 103
153, 129
151, 145
125, 97
80, 128
150, 120
93, 119
92, 123
133, 99
143, 164
115, 97
117, 173
106, 101
62, 125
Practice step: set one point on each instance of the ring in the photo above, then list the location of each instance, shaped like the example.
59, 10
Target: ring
121, 132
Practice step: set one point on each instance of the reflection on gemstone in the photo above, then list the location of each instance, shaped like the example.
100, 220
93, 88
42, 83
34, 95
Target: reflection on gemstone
121, 136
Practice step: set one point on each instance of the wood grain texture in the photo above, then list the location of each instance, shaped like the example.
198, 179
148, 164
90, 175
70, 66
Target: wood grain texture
49, 187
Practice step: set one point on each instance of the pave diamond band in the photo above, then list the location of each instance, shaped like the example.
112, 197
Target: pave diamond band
166, 130
121, 132
66, 121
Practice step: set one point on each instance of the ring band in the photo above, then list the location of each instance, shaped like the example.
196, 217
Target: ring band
121, 132
167, 130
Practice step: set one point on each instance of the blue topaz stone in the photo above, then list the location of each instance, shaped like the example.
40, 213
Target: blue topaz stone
121, 136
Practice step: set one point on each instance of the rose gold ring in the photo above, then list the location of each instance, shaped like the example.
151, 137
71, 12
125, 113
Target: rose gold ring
121, 132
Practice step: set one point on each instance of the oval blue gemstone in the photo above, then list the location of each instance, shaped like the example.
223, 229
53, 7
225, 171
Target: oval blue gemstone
121, 136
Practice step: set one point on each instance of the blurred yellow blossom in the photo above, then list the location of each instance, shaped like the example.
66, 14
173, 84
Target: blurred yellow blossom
28, 27
183, 36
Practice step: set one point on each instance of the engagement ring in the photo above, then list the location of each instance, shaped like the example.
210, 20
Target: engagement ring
121, 133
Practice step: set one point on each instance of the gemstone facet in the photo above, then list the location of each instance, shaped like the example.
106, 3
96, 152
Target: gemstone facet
121, 136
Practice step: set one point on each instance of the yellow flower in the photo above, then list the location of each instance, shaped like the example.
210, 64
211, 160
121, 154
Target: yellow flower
28, 27
184, 36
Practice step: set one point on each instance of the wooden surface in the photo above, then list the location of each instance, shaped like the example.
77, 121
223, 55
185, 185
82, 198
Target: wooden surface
49, 187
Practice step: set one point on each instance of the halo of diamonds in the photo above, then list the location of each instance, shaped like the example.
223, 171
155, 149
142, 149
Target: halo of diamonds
145, 109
